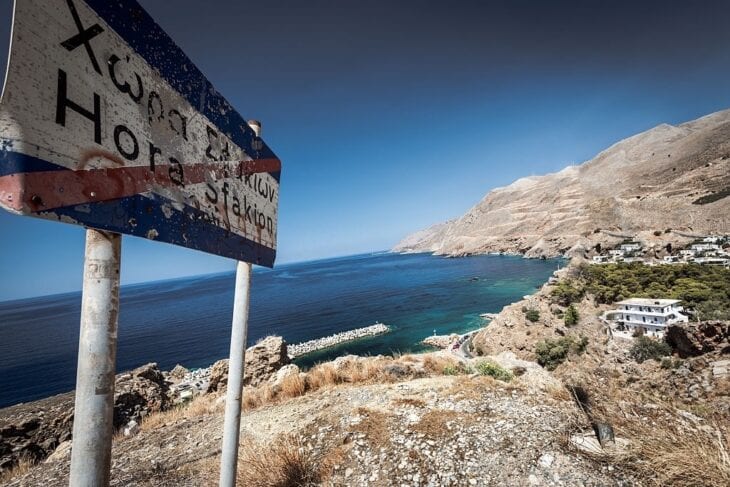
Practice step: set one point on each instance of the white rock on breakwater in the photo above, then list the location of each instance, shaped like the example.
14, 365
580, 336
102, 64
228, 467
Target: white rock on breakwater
441, 341
303, 348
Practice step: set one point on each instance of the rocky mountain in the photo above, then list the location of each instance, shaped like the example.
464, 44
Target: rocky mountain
673, 180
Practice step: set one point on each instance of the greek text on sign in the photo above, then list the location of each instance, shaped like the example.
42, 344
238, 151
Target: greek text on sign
104, 122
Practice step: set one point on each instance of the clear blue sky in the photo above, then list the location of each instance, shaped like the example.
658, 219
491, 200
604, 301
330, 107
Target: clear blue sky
393, 115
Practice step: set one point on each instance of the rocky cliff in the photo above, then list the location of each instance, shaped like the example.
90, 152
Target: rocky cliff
669, 177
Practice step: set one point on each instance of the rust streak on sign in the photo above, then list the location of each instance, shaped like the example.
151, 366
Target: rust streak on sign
46, 190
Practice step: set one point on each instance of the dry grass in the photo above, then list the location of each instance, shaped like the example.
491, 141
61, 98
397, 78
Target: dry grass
323, 375
434, 423
559, 393
437, 364
374, 425
21, 468
409, 401
368, 371
199, 406
286, 462
668, 446
292, 386
471, 389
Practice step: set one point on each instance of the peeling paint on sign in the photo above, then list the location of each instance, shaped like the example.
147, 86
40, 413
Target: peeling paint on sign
104, 122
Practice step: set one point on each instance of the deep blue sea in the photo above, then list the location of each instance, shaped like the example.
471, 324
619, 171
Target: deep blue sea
187, 320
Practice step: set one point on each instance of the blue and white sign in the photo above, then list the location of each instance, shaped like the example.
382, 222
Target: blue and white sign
105, 123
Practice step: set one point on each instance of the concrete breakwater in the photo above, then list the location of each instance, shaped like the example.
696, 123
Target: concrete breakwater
309, 346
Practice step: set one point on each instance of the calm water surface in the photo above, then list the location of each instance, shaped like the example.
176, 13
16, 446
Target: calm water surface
187, 320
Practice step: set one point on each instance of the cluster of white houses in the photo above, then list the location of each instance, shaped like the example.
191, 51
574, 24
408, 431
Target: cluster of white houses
709, 250
645, 316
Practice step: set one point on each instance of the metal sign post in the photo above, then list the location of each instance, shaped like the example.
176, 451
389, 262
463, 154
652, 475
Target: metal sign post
93, 425
236, 362
107, 124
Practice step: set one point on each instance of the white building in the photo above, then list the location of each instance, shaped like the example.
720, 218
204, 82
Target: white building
631, 247
650, 316
716, 260
705, 247
670, 259
629, 260
600, 259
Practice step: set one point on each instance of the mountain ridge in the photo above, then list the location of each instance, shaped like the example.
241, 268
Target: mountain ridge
649, 182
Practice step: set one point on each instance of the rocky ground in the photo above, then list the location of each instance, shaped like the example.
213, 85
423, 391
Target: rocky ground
446, 430
34, 430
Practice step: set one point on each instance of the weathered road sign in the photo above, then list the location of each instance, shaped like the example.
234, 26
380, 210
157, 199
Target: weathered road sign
105, 122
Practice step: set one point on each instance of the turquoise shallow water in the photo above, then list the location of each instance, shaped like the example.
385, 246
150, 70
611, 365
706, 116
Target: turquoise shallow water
188, 320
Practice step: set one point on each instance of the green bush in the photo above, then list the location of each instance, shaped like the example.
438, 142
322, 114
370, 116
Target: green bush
551, 353
580, 346
670, 363
571, 316
493, 370
645, 348
701, 287
532, 315
567, 292
713, 310
451, 370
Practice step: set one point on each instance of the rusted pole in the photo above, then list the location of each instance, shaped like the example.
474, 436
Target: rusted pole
236, 360
94, 409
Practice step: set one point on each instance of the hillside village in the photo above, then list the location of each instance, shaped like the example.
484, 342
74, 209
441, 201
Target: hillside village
711, 250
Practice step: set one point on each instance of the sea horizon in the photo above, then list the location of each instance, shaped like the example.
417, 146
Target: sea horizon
187, 320
256, 269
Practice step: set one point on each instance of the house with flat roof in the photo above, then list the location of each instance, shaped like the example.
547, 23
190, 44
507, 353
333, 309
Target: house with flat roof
648, 316
705, 247
600, 259
630, 247
714, 260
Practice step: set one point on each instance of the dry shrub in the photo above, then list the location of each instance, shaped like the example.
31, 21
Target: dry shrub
322, 375
436, 364
559, 393
434, 422
668, 445
368, 371
463, 387
25, 463
204, 472
287, 462
693, 456
256, 397
358, 372
199, 406
293, 385
374, 424
409, 401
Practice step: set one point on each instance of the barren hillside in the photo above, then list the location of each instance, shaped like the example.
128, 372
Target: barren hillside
669, 177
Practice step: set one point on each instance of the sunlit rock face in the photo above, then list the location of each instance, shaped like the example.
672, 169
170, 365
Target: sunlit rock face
669, 177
